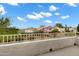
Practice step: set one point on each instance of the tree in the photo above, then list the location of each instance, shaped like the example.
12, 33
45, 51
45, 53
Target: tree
59, 25
67, 29
78, 28
4, 22
4, 31
55, 31
4, 27
41, 26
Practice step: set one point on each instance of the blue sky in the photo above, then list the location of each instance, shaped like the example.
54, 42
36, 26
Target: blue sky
24, 15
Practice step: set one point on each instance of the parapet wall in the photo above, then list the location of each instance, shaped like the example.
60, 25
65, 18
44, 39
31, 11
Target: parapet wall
77, 41
36, 47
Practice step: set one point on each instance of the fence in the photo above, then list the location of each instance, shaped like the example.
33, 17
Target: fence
32, 36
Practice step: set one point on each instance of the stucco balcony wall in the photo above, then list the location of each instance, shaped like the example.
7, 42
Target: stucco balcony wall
36, 47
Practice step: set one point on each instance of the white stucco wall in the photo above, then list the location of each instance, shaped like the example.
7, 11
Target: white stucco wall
36, 47
77, 40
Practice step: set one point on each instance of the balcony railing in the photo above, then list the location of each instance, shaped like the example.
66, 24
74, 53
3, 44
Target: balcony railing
32, 36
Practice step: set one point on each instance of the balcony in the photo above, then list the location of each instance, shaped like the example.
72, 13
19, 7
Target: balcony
13, 38
39, 44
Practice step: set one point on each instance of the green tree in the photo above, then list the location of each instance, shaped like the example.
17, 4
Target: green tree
55, 31
4, 31
59, 25
41, 25
4, 22
78, 28
67, 29
4, 26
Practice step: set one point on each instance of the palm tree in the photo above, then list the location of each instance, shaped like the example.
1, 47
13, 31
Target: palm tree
4, 22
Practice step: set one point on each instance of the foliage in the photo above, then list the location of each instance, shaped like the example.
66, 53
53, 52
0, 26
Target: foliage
78, 28
4, 27
59, 25
4, 31
4, 22
41, 25
67, 29
54, 31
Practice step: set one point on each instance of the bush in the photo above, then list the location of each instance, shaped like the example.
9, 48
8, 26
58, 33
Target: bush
55, 31
4, 31
40, 31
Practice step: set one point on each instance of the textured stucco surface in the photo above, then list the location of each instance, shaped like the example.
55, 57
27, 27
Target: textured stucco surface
70, 51
35, 47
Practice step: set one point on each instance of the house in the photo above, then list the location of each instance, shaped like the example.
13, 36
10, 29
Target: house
60, 29
46, 28
73, 29
30, 30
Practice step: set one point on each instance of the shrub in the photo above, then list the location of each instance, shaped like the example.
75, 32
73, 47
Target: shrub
55, 31
40, 31
4, 31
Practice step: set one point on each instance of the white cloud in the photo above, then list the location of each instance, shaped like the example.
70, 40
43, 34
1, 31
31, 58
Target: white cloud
14, 4
65, 17
19, 18
46, 14
48, 21
40, 6
38, 15
72, 4
2, 10
52, 8
57, 14
30, 16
